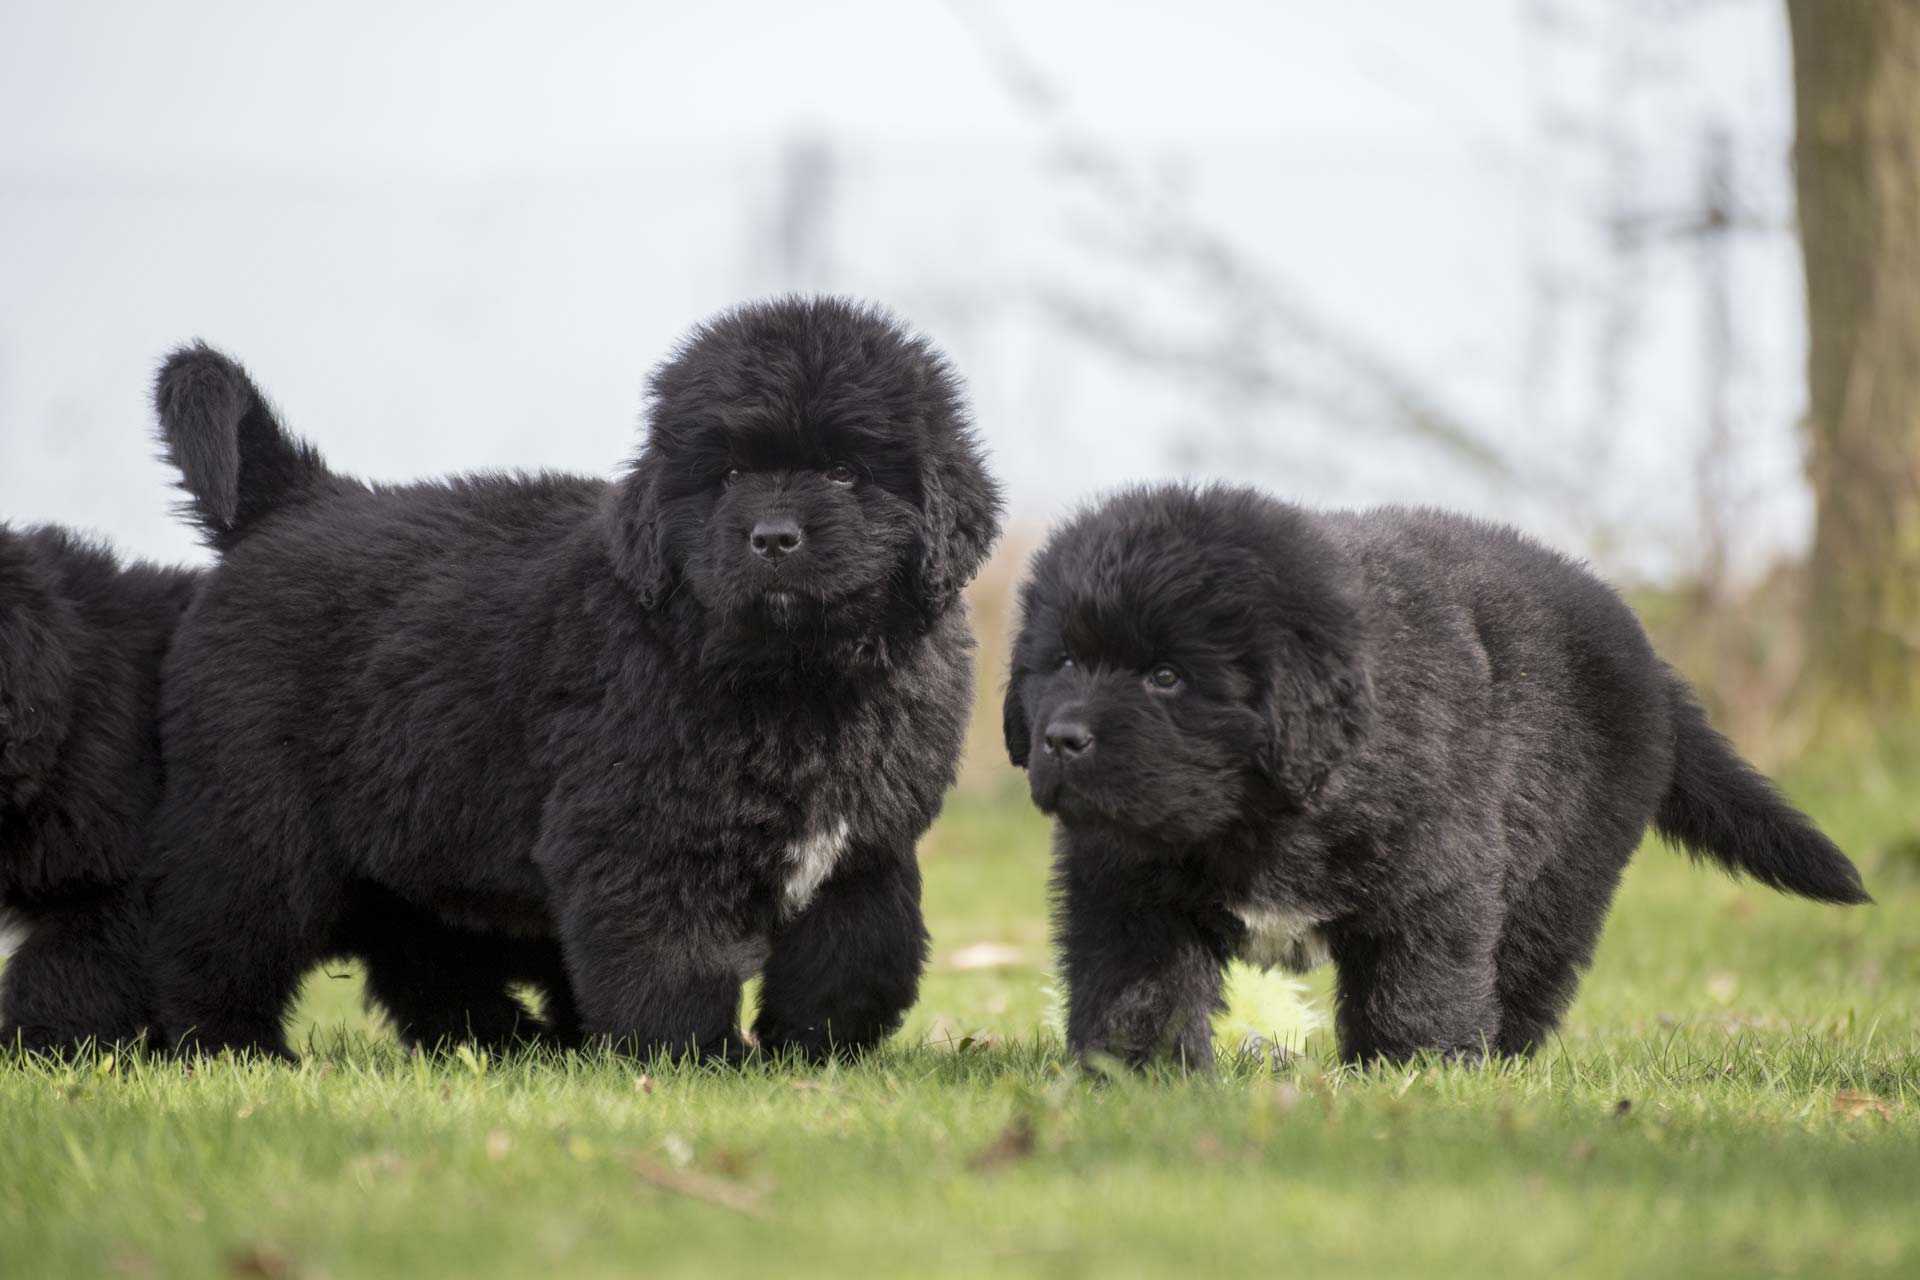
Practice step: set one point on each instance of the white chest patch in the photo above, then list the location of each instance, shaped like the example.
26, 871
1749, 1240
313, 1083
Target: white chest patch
13, 933
1289, 940
810, 860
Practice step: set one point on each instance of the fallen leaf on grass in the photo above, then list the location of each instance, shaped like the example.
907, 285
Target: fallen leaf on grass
132, 1263
643, 1084
262, 1262
1014, 1144
814, 1086
715, 1191
1851, 1104
498, 1145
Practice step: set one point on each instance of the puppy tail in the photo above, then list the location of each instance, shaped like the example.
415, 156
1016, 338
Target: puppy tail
1721, 808
237, 463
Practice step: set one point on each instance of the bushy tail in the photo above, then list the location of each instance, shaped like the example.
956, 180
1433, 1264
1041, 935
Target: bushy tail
1720, 807
236, 463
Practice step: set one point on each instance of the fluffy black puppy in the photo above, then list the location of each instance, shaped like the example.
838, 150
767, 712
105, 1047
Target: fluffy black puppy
1421, 745
81, 640
691, 724
436, 982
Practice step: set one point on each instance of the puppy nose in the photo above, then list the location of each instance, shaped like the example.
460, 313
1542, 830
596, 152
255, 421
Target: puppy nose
1068, 738
774, 538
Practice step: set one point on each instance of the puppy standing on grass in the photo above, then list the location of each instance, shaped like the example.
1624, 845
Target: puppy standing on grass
1422, 746
691, 724
81, 640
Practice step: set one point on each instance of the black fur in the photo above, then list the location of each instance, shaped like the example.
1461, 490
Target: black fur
81, 640
553, 708
1424, 745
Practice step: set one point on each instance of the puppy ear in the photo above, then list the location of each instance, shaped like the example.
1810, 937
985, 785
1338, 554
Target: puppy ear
641, 552
961, 507
1319, 708
1013, 722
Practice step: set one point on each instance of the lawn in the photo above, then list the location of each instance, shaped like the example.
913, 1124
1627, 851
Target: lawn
1737, 1091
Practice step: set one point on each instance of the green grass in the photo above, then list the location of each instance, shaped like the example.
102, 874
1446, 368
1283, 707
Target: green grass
1737, 1091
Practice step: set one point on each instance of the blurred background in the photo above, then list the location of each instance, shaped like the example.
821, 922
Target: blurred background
1538, 259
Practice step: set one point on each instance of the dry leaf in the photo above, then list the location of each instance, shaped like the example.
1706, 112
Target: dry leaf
1851, 1104
262, 1262
1014, 1144
696, 1186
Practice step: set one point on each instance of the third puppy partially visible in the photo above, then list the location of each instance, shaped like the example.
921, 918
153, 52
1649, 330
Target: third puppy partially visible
1420, 745
82, 634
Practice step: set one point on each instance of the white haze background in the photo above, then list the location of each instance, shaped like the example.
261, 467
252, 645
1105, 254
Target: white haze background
453, 237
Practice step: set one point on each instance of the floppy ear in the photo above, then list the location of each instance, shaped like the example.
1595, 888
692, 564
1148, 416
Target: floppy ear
1319, 708
1013, 721
960, 504
641, 553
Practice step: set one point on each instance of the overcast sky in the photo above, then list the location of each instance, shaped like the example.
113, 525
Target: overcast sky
456, 236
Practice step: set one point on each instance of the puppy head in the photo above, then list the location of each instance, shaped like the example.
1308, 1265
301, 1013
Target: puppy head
810, 476
1183, 654
38, 631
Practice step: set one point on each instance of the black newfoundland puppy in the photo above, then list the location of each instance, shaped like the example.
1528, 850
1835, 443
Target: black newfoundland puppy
1422, 746
690, 724
81, 640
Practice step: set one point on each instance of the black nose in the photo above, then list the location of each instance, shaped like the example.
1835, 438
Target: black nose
1068, 738
774, 538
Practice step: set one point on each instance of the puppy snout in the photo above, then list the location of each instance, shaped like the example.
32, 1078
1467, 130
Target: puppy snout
1068, 737
774, 538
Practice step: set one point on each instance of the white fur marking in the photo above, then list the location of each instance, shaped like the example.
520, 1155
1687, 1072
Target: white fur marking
1289, 940
812, 858
13, 933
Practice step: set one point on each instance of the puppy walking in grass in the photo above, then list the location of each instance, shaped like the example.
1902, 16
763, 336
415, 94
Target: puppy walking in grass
688, 725
1419, 745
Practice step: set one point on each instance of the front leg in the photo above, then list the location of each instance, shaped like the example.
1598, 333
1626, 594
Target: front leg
1143, 977
846, 968
656, 958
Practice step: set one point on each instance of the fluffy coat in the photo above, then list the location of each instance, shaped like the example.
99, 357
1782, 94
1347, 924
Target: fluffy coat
676, 729
81, 640
1423, 746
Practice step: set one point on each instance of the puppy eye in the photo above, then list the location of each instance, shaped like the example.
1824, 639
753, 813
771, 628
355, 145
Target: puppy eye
840, 473
1163, 677
733, 475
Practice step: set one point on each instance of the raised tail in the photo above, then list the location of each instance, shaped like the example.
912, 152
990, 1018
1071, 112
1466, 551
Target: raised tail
1721, 808
236, 463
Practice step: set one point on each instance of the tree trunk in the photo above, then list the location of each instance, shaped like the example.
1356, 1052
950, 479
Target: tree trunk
1856, 67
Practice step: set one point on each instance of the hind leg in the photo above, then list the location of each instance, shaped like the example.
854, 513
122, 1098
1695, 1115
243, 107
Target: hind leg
232, 936
1547, 944
440, 985
79, 976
